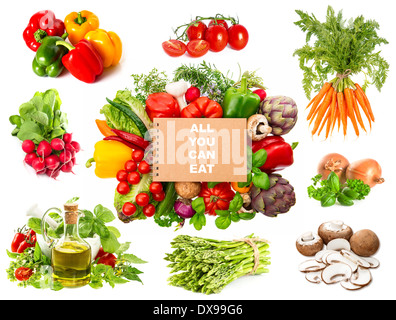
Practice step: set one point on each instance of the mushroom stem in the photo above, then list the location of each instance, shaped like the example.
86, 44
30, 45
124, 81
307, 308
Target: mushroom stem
308, 236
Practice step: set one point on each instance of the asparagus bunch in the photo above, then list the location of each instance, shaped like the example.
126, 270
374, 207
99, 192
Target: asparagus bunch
207, 265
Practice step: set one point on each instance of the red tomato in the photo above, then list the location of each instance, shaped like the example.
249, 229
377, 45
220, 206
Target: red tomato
159, 196
138, 155
23, 273
238, 37
122, 175
196, 31
16, 242
142, 199
216, 198
217, 37
149, 210
133, 177
156, 187
220, 22
144, 167
128, 209
174, 48
197, 48
130, 166
123, 187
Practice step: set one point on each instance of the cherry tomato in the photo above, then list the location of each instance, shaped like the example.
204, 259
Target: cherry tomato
144, 167
123, 187
174, 48
142, 199
128, 209
159, 196
156, 187
130, 166
137, 155
25, 244
238, 37
133, 177
149, 210
196, 31
122, 175
16, 241
220, 22
23, 273
197, 48
217, 37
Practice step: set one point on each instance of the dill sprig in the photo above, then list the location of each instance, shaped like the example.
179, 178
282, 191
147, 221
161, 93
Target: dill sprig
337, 45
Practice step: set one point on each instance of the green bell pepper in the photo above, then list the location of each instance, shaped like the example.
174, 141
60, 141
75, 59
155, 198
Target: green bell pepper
240, 102
48, 59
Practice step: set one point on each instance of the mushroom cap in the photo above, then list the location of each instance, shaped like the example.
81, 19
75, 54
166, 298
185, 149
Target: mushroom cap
334, 229
258, 127
309, 244
364, 243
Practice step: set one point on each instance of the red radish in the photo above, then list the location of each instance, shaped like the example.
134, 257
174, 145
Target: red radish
52, 173
69, 147
76, 146
38, 165
28, 146
44, 149
261, 93
67, 167
57, 144
192, 94
67, 137
52, 162
30, 157
65, 156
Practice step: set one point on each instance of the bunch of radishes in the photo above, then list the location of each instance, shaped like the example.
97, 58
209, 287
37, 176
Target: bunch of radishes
52, 157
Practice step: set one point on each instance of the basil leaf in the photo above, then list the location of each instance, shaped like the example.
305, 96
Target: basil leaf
223, 222
198, 205
236, 203
259, 158
328, 200
261, 180
104, 214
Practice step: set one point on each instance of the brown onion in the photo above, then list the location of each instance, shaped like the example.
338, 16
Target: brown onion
333, 162
367, 170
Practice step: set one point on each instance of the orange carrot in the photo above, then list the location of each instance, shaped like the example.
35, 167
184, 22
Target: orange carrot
326, 120
318, 98
343, 111
357, 111
333, 110
336, 117
349, 105
312, 101
360, 99
323, 108
366, 101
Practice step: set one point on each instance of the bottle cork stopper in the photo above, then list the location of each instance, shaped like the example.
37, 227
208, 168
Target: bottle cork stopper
71, 213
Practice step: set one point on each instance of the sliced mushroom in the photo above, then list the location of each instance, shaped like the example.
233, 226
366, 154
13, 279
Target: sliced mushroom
336, 272
355, 258
338, 245
257, 126
362, 277
346, 284
334, 229
337, 257
311, 266
321, 255
374, 263
314, 276
309, 244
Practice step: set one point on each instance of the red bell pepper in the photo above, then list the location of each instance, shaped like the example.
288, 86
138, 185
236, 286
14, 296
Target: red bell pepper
42, 24
162, 105
202, 107
82, 61
216, 198
279, 153
106, 258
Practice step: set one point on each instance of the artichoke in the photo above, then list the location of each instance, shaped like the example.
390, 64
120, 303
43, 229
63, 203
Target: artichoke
281, 113
279, 198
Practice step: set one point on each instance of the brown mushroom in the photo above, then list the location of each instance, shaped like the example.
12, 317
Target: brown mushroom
364, 243
258, 127
188, 190
309, 244
334, 229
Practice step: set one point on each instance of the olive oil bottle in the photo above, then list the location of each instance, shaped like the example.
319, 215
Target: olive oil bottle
71, 257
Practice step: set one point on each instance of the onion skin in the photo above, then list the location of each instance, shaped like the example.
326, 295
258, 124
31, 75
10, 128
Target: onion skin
184, 209
367, 170
333, 162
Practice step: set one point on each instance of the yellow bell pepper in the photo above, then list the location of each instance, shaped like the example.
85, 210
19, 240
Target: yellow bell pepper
78, 24
110, 157
107, 44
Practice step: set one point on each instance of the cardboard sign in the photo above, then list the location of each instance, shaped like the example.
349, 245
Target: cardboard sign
204, 149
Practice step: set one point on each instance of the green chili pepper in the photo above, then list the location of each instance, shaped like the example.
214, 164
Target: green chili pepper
241, 102
48, 59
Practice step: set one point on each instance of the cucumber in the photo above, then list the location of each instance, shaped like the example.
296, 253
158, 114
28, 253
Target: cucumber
166, 206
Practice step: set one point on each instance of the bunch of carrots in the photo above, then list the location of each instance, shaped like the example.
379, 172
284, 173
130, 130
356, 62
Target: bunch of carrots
337, 101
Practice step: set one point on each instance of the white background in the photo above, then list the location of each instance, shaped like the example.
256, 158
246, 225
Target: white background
142, 26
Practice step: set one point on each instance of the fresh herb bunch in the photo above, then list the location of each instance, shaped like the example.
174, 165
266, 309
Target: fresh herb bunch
331, 190
146, 84
340, 46
207, 78
207, 266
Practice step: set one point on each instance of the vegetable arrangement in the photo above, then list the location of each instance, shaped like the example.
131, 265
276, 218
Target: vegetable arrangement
41, 126
344, 182
345, 49
87, 53
197, 38
125, 153
208, 266
31, 263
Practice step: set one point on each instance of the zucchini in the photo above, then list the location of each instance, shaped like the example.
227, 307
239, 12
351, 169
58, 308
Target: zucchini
166, 206
128, 112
